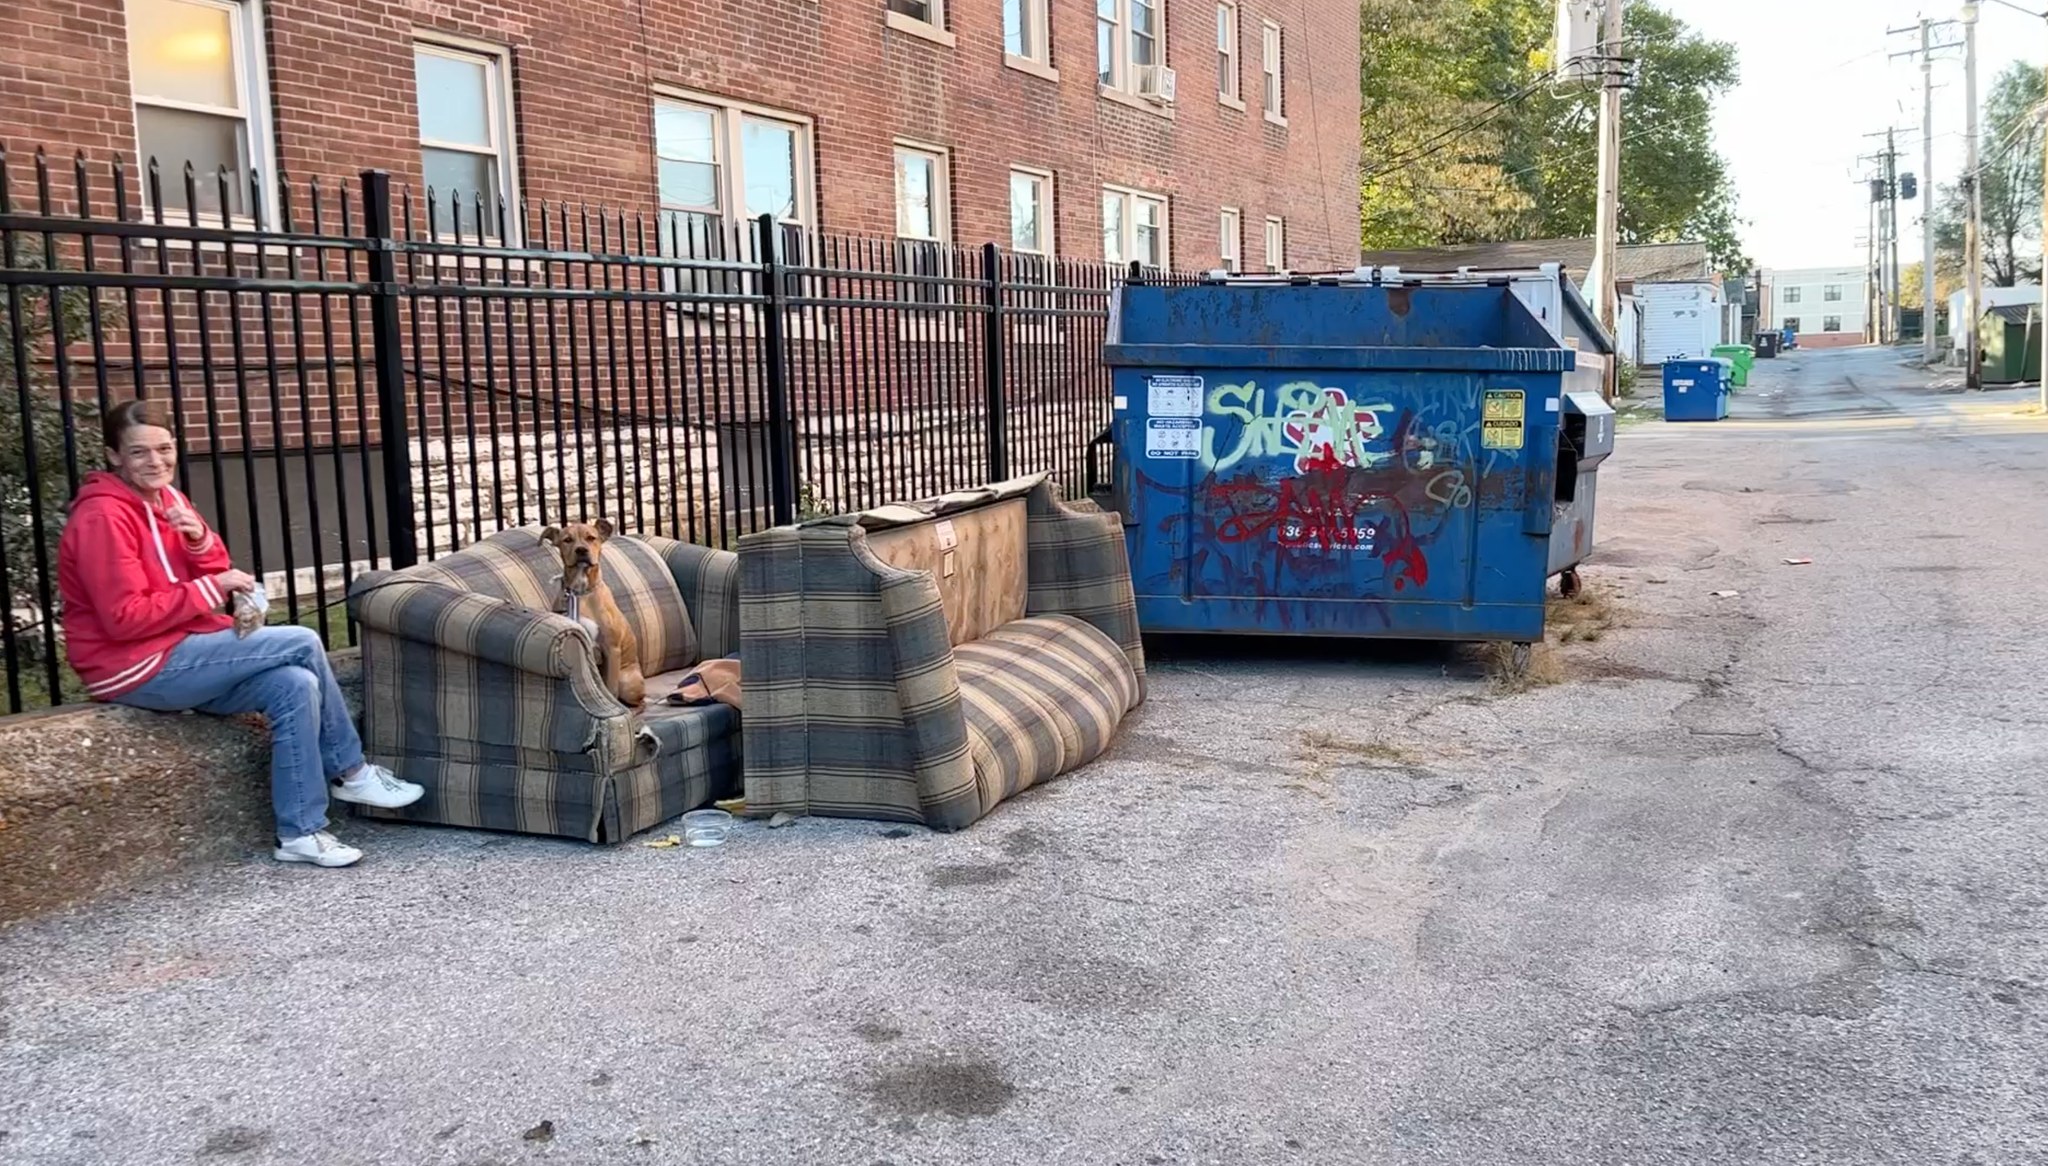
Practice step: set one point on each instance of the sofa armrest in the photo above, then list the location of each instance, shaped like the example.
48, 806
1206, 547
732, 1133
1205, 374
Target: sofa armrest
710, 582
1079, 566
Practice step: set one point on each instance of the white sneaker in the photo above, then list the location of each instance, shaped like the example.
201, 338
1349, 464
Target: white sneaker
374, 785
321, 849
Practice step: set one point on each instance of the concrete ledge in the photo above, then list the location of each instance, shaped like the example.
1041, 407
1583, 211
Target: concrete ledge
96, 799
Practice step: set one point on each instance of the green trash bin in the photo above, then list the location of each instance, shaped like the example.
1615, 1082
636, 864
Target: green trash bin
1742, 356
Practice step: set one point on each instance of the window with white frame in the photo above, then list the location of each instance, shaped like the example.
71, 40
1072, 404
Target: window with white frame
1031, 223
195, 69
1276, 90
1130, 41
1276, 243
923, 218
1025, 28
465, 115
1831, 323
1791, 322
1791, 295
1226, 52
1134, 227
1832, 293
1231, 243
719, 164
932, 12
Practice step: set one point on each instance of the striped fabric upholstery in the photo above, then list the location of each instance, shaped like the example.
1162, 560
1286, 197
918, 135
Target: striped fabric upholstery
472, 688
858, 705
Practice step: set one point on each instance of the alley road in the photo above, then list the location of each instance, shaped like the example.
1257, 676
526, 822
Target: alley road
1762, 881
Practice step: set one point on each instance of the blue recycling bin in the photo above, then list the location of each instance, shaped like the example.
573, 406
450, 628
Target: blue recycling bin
1695, 390
1345, 458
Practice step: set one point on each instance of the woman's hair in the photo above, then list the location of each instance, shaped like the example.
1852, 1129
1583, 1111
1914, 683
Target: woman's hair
133, 415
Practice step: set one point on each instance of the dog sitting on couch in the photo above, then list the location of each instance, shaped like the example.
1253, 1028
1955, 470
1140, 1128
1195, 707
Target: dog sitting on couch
586, 599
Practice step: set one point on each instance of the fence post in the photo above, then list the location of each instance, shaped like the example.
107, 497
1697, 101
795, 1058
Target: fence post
782, 490
992, 363
388, 346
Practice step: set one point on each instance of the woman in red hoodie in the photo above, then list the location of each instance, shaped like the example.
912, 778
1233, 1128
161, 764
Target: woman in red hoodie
147, 588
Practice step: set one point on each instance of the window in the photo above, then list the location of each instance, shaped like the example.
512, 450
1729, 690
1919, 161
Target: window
464, 114
1231, 245
923, 219
1275, 93
1129, 40
195, 68
1791, 295
1024, 30
932, 12
1226, 53
1133, 227
1031, 212
1276, 243
1832, 293
1831, 323
720, 165
1791, 322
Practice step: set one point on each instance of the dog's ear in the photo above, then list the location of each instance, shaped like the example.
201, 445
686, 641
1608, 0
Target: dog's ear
552, 536
604, 528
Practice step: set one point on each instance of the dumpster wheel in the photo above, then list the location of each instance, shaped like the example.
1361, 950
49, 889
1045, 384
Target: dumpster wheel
1569, 584
1519, 658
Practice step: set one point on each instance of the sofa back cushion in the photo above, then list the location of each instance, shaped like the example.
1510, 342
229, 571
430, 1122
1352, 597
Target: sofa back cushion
646, 592
517, 567
512, 565
977, 557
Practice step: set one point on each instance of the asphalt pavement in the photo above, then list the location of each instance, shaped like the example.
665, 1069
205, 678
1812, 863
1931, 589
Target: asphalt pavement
1761, 880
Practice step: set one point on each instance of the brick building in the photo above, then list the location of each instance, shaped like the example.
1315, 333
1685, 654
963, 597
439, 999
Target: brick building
1188, 133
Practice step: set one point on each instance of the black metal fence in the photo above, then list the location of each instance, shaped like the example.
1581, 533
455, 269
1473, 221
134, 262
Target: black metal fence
359, 377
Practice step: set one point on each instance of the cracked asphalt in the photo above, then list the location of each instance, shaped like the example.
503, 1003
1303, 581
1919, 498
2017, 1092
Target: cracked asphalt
1760, 881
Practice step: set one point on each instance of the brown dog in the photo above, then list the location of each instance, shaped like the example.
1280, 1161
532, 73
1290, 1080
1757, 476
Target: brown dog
586, 599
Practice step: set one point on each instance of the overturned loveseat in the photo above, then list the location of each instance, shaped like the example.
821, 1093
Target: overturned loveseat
475, 689
922, 662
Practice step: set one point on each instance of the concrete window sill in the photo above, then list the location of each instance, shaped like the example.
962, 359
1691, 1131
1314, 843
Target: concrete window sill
1278, 119
922, 31
1226, 100
1156, 109
1027, 65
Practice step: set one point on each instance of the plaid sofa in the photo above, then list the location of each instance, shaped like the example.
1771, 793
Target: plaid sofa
930, 695
475, 689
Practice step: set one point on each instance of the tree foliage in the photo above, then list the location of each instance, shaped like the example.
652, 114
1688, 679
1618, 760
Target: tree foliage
2009, 169
1468, 138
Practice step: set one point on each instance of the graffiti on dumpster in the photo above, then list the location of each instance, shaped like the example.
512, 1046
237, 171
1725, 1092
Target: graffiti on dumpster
1318, 427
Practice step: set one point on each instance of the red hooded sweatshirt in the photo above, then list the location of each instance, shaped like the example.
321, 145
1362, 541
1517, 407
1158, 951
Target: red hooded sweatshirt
133, 587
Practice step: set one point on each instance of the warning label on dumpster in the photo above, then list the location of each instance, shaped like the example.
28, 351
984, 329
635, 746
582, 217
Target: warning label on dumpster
1174, 396
1500, 426
1173, 437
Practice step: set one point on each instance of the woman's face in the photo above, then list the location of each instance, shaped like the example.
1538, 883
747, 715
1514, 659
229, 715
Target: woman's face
147, 459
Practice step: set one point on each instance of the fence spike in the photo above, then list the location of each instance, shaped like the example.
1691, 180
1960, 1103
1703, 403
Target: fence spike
84, 183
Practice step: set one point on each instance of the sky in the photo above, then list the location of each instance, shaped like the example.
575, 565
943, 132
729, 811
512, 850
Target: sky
1817, 77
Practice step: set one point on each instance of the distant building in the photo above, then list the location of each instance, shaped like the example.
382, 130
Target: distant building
1830, 306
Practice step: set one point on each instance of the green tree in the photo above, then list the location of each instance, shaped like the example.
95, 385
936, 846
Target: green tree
2010, 172
1466, 137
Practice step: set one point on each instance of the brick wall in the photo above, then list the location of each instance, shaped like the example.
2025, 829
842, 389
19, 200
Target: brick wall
340, 78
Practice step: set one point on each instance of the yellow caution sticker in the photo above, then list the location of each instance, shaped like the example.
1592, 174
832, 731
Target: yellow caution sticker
1502, 422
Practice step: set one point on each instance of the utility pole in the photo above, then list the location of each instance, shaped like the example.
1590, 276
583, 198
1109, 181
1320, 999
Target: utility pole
1891, 209
1607, 222
1973, 258
1927, 192
1929, 350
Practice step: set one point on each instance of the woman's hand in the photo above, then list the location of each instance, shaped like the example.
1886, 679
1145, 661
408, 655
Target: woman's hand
233, 582
187, 523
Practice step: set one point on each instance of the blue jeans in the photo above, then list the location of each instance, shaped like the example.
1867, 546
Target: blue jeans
282, 673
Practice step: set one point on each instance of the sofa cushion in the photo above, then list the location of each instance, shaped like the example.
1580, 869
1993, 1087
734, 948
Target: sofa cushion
1041, 696
512, 565
679, 728
646, 592
977, 557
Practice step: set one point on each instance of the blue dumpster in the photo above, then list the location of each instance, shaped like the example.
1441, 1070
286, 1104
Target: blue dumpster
1695, 390
1346, 458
